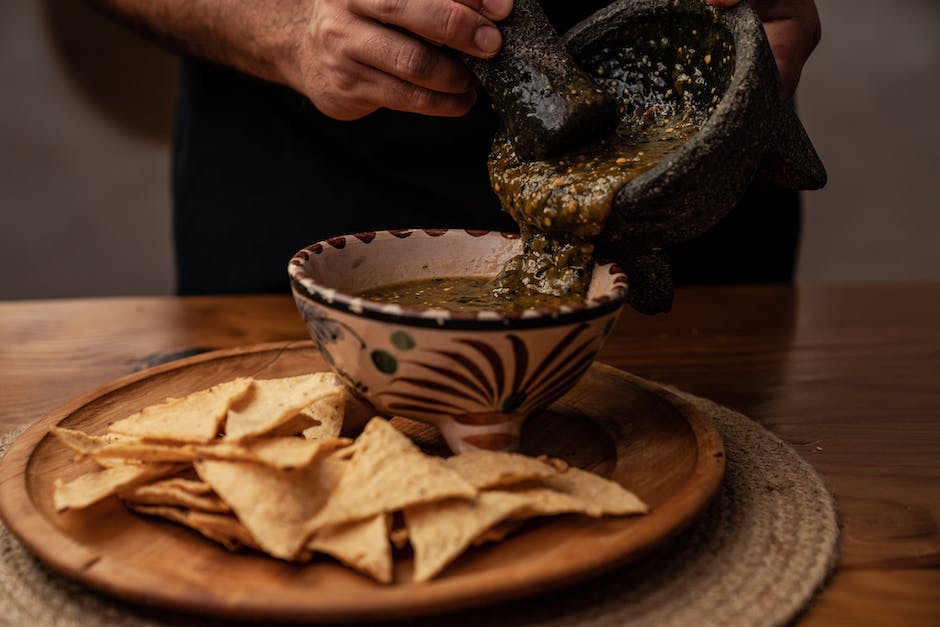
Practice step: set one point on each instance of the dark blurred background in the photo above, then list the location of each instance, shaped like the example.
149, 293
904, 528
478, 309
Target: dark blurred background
86, 115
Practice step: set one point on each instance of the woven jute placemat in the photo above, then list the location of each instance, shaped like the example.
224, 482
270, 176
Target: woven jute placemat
757, 556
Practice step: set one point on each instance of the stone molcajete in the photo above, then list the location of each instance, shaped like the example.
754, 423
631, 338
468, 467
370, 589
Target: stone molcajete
664, 60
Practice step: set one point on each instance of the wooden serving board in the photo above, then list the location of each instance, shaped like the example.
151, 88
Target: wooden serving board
615, 424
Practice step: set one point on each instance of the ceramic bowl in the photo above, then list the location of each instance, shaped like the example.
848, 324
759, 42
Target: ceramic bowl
474, 375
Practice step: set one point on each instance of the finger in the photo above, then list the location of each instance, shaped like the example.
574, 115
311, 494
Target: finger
792, 42
443, 22
793, 30
409, 59
496, 10
384, 90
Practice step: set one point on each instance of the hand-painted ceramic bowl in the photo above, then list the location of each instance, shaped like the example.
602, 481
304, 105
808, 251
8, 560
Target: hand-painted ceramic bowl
474, 375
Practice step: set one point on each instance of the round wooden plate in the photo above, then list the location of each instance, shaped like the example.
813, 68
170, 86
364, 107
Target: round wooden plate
615, 424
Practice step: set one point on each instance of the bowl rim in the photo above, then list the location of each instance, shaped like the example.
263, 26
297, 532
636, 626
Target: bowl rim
305, 286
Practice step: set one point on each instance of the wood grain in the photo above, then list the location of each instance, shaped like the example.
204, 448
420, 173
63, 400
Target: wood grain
848, 375
54, 350
647, 439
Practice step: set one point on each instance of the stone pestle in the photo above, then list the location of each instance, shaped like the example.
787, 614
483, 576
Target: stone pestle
547, 103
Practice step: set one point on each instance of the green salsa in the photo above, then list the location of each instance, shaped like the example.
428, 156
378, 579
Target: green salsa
561, 204
467, 293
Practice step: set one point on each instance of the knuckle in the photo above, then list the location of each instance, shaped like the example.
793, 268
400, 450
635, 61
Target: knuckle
330, 32
379, 48
451, 22
386, 9
415, 61
344, 81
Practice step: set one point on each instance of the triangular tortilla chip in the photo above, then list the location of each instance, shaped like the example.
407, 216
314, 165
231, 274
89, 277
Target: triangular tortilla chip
86, 445
602, 496
283, 452
193, 418
441, 531
167, 493
193, 486
226, 530
490, 469
144, 451
499, 532
326, 418
330, 407
274, 505
82, 443
387, 473
289, 452
272, 402
362, 544
109, 462
95, 486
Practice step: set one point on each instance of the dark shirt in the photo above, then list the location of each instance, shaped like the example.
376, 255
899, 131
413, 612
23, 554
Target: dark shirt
259, 173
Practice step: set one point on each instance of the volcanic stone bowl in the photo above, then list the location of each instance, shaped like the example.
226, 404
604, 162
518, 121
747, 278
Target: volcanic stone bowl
717, 66
474, 375
683, 59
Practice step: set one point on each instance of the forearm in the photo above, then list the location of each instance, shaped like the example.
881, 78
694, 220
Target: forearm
257, 37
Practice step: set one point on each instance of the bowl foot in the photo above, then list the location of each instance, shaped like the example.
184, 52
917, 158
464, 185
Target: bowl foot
496, 436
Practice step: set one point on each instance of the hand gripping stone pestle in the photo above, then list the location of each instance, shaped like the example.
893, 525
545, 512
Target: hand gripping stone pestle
547, 103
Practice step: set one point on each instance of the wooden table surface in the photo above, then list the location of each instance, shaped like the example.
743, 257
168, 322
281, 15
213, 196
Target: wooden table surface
848, 375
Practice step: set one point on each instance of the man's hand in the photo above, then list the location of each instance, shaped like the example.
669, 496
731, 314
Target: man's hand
350, 57
793, 30
361, 55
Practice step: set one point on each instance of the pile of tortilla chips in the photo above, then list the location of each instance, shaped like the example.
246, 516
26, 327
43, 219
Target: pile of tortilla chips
261, 464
